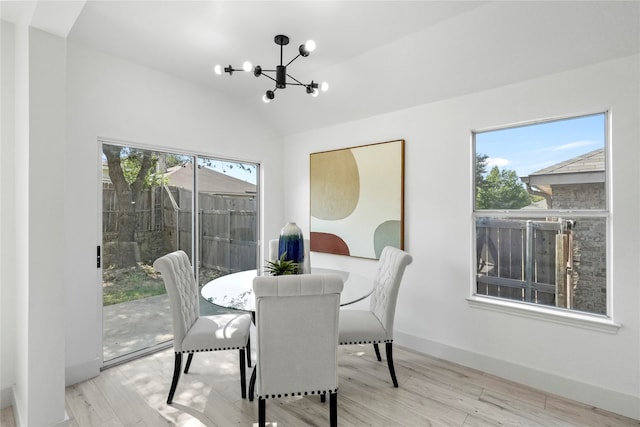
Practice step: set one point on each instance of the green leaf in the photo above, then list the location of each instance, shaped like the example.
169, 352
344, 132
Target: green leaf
282, 266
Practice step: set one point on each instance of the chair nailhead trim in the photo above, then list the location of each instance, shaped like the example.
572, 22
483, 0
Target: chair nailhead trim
211, 349
364, 342
299, 393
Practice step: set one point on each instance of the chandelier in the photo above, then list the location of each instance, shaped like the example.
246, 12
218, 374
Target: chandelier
279, 75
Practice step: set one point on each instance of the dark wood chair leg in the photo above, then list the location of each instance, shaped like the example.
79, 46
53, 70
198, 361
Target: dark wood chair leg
188, 365
377, 349
262, 412
249, 351
392, 371
333, 409
252, 384
177, 365
243, 375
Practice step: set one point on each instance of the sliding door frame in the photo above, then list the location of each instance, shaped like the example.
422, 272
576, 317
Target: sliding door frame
195, 229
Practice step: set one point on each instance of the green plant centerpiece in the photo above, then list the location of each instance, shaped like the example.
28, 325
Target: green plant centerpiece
282, 266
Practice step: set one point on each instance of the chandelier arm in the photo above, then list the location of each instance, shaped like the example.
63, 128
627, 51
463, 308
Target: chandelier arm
231, 70
296, 57
268, 76
298, 82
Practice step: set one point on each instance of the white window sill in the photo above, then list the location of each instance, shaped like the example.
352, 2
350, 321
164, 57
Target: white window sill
593, 322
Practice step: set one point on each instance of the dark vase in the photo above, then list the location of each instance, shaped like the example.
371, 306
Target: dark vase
292, 242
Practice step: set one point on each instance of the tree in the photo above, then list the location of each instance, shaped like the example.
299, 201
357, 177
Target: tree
501, 190
130, 172
481, 171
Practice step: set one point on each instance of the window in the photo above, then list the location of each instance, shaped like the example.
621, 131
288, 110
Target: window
541, 213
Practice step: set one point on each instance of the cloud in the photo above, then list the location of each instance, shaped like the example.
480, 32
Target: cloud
575, 144
497, 161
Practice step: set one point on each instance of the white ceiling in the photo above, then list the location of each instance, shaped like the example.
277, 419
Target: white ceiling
377, 56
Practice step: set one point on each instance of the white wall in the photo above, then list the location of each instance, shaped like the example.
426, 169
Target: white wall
112, 98
45, 164
7, 216
32, 339
433, 315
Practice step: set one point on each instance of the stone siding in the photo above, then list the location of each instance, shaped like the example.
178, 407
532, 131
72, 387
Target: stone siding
589, 275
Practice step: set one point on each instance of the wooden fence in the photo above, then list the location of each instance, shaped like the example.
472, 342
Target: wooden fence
164, 221
524, 260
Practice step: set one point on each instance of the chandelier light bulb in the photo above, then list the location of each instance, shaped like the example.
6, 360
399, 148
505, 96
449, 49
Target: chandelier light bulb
310, 45
324, 86
315, 93
265, 99
247, 66
268, 96
217, 69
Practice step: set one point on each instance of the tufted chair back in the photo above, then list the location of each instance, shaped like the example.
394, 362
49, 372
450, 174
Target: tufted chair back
297, 332
391, 266
182, 290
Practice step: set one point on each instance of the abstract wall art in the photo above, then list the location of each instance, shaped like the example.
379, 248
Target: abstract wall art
357, 199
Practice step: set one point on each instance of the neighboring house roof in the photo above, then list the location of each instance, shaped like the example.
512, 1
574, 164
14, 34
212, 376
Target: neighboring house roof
583, 169
209, 181
540, 204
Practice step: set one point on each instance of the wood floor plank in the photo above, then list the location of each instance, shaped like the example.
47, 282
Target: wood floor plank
468, 404
134, 410
514, 390
527, 410
353, 413
398, 404
586, 415
432, 392
7, 418
88, 405
229, 412
465, 380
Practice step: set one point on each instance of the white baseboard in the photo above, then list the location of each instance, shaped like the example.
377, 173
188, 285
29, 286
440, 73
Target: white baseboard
64, 423
609, 400
17, 408
17, 411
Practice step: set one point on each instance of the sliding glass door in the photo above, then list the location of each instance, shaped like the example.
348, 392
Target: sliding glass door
148, 210
227, 218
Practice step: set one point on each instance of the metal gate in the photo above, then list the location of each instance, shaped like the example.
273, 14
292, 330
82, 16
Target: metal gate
525, 260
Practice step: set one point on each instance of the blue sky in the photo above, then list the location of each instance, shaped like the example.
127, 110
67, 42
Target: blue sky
530, 148
247, 172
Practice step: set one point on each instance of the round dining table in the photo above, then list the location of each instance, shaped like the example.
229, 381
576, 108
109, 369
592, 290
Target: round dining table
235, 290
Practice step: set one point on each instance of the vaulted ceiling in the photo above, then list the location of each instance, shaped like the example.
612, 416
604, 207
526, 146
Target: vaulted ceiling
377, 56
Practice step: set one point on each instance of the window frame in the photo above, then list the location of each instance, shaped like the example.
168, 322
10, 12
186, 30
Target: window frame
566, 316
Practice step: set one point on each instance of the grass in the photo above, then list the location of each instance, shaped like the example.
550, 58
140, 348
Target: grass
141, 281
132, 283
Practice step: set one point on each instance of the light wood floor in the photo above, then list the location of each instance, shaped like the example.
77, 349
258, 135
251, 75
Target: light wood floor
432, 392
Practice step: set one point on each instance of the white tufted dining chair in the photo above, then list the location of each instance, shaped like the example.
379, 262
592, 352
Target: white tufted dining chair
297, 334
306, 264
193, 333
375, 325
